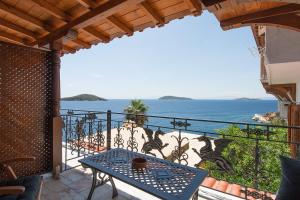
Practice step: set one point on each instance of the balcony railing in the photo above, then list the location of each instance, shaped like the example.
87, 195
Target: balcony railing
240, 153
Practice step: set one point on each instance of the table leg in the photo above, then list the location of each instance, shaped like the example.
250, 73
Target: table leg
195, 196
115, 192
93, 184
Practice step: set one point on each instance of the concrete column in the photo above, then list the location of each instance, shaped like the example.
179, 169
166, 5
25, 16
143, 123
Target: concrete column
298, 91
57, 121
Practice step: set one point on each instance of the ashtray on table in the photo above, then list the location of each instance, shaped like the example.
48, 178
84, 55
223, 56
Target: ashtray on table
139, 163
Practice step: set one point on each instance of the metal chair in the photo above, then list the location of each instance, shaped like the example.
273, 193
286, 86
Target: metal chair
19, 188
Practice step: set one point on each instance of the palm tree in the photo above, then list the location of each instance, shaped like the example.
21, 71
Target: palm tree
136, 111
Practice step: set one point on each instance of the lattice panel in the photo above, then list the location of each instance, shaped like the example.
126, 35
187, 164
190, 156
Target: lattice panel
26, 97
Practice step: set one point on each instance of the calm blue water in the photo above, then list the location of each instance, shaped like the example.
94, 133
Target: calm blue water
225, 110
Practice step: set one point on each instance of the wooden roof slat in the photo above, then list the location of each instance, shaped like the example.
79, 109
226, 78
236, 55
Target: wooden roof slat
52, 9
13, 38
208, 3
84, 20
68, 49
22, 15
120, 25
17, 28
42, 22
195, 6
87, 3
96, 34
81, 43
282, 10
151, 12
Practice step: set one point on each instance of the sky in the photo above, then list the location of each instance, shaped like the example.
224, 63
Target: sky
192, 57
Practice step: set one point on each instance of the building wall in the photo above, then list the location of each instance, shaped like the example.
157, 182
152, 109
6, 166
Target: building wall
282, 45
282, 57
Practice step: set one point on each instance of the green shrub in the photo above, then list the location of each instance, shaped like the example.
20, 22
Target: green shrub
241, 154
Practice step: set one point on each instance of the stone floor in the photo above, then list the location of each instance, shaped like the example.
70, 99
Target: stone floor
75, 184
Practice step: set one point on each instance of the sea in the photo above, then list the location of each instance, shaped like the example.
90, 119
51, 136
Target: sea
217, 110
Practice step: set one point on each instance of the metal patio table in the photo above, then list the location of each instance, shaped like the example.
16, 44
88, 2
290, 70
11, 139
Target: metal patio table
161, 178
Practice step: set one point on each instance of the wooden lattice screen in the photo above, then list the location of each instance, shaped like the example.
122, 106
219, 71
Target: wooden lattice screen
26, 96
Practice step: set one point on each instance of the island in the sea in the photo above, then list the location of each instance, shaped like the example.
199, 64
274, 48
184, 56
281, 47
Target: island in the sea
83, 97
173, 98
247, 99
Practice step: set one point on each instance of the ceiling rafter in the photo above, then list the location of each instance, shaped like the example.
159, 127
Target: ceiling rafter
13, 38
17, 28
87, 3
208, 3
106, 9
23, 16
52, 9
56, 12
120, 25
97, 34
194, 6
81, 43
261, 16
155, 17
69, 49
290, 21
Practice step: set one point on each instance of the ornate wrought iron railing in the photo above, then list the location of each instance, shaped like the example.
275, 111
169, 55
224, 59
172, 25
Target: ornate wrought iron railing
241, 153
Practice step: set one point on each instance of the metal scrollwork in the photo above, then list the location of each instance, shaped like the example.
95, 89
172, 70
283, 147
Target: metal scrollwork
118, 140
180, 123
206, 153
256, 195
132, 144
153, 142
257, 131
179, 153
98, 139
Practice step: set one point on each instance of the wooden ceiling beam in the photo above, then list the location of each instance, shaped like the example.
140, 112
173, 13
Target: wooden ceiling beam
17, 28
23, 16
120, 25
13, 38
87, 3
81, 43
96, 34
194, 6
155, 17
52, 9
273, 12
69, 49
208, 3
290, 21
105, 10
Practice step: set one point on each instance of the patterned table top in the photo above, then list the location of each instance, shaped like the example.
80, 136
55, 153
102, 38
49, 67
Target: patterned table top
161, 178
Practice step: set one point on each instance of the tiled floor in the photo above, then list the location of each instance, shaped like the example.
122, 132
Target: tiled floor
75, 185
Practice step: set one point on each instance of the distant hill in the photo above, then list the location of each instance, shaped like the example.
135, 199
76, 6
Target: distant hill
173, 98
247, 99
83, 97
